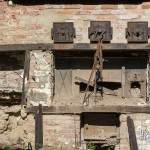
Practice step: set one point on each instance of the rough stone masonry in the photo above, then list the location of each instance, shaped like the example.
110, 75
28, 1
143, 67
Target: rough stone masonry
23, 23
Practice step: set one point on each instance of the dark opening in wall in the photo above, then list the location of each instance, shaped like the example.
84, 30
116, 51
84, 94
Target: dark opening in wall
135, 84
98, 146
89, 2
11, 77
108, 85
98, 129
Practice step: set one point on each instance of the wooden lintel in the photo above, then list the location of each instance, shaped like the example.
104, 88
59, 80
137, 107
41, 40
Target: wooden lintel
75, 46
98, 109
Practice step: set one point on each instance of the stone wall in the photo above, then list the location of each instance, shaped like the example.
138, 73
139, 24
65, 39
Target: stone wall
14, 131
11, 67
41, 76
124, 136
142, 129
142, 126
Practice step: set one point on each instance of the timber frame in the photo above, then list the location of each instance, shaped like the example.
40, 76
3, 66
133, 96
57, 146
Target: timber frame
40, 110
55, 110
75, 46
83, 47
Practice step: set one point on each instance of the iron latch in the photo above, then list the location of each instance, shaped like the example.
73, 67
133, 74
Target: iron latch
100, 30
137, 32
63, 32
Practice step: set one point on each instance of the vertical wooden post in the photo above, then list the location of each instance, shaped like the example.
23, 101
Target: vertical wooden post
39, 128
123, 81
25, 76
148, 78
132, 134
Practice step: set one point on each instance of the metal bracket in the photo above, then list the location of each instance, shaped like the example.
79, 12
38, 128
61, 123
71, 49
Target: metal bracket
137, 32
100, 30
63, 32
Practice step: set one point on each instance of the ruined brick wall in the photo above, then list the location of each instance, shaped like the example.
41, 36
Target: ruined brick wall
33, 23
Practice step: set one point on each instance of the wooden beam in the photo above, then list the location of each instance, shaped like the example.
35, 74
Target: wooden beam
24, 47
39, 128
132, 134
98, 109
25, 77
75, 46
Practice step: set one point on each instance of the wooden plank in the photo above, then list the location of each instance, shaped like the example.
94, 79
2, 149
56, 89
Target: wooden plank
111, 46
24, 47
76, 46
63, 83
132, 134
82, 109
39, 128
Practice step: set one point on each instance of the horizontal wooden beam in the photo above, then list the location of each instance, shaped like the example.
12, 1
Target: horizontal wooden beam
24, 47
98, 109
76, 46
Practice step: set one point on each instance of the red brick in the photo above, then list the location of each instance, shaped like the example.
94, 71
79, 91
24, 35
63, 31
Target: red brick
109, 7
146, 5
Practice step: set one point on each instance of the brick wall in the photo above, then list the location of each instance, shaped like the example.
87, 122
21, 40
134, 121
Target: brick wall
33, 23
62, 131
